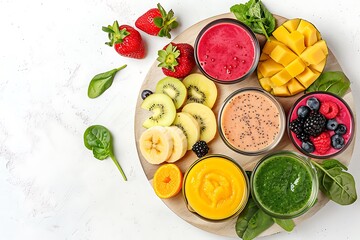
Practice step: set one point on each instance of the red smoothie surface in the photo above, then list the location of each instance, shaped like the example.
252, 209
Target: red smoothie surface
344, 117
250, 121
226, 51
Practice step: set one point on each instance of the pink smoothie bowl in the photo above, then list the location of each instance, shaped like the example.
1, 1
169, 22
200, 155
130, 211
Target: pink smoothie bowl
344, 116
226, 51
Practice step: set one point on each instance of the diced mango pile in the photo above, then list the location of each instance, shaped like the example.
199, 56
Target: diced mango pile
293, 59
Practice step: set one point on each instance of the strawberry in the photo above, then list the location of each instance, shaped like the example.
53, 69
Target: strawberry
322, 143
157, 22
126, 40
176, 60
329, 109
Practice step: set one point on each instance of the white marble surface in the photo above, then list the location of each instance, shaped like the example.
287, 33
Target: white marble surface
51, 186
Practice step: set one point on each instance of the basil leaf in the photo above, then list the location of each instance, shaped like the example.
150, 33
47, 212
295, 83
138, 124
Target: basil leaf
259, 222
337, 184
255, 15
243, 220
101, 82
287, 224
335, 82
98, 139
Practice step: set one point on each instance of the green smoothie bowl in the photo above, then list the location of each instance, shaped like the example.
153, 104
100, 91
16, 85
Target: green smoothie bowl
284, 184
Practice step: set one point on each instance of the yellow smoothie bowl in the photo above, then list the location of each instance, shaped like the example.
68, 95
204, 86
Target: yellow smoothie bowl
215, 188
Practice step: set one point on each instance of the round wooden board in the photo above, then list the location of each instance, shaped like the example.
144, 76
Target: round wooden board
177, 204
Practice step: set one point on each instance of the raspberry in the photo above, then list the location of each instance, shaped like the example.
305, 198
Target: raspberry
329, 109
322, 142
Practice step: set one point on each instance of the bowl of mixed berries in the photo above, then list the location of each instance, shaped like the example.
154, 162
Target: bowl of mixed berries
320, 124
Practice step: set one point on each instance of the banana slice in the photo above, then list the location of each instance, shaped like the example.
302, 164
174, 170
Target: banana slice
180, 143
156, 144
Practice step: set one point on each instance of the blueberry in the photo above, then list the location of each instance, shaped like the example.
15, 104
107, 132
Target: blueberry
303, 111
332, 124
341, 129
313, 103
146, 93
337, 141
308, 147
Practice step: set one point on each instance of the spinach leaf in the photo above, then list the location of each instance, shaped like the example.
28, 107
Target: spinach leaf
337, 184
98, 139
255, 15
330, 163
245, 216
101, 82
258, 223
287, 224
334, 82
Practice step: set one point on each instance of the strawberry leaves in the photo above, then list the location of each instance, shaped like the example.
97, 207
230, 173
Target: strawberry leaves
115, 34
166, 23
167, 57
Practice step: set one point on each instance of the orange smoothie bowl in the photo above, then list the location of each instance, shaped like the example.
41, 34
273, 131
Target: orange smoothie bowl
251, 121
215, 188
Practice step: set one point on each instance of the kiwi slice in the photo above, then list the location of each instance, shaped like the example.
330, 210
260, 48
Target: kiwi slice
189, 126
174, 88
206, 119
200, 90
163, 108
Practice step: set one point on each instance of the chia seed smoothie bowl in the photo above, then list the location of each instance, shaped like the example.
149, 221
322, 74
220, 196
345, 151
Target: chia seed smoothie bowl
251, 121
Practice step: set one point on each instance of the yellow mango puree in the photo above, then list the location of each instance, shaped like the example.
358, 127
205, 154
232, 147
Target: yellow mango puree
216, 188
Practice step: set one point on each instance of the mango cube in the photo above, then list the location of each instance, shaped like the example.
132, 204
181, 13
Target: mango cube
281, 34
291, 25
281, 91
313, 55
269, 68
307, 77
280, 78
270, 45
264, 57
292, 59
302, 25
296, 42
323, 46
295, 67
265, 84
318, 67
283, 55
295, 87
310, 35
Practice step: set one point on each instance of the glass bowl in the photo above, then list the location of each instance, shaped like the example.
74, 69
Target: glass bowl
251, 121
215, 188
226, 51
284, 184
345, 116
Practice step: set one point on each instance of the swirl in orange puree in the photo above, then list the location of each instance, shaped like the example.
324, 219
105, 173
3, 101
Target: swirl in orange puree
216, 188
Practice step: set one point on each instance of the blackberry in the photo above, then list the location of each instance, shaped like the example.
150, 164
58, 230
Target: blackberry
200, 148
304, 137
315, 124
296, 126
